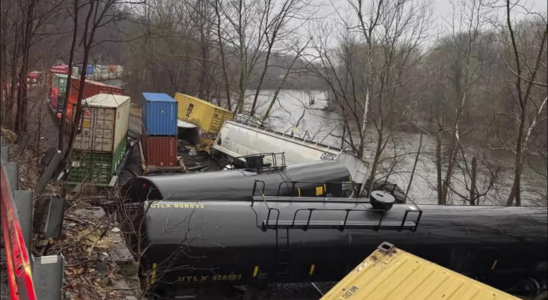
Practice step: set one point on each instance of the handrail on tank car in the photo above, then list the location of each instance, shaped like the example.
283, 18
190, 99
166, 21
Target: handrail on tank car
341, 227
376, 226
255, 187
416, 210
264, 199
274, 155
264, 129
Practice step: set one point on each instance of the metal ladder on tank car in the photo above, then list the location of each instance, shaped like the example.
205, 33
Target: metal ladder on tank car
283, 254
283, 245
308, 222
283, 249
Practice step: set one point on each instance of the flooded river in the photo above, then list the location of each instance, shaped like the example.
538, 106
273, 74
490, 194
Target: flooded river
324, 126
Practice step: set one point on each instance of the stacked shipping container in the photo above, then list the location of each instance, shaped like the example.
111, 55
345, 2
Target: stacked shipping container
92, 88
102, 72
58, 92
159, 136
101, 143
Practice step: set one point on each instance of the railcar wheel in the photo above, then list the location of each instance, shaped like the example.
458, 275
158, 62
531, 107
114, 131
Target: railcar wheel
528, 287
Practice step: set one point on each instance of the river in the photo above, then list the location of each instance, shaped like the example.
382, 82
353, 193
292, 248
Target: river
321, 125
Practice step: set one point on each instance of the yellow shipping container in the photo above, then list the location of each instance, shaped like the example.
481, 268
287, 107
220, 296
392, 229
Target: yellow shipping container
392, 274
203, 114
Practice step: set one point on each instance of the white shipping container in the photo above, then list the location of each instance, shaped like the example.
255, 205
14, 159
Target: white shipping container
104, 124
119, 71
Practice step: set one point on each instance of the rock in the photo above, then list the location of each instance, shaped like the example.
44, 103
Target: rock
134, 283
92, 212
101, 268
120, 285
129, 268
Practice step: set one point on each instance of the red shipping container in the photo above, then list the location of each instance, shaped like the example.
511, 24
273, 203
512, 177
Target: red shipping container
91, 89
160, 151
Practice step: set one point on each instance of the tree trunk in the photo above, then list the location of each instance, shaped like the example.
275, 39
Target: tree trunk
68, 88
13, 87
87, 47
376, 160
473, 182
441, 199
243, 60
3, 74
516, 187
413, 171
223, 59
515, 192
267, 113
261, 79
22, 96
343, 135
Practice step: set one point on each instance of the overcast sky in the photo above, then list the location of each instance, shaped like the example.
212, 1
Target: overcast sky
337, 10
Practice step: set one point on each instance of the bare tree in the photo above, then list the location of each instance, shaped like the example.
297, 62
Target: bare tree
466, 46
530, 109
99, 14
370, 73
297, 56
278, 18
75, 12
10, 43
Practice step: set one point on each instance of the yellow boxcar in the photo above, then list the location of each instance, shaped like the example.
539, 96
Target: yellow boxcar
392, 274
205, 115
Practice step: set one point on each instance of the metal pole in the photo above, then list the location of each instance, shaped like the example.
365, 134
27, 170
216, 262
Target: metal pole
13, 174
5, 153
23, 202
48, 173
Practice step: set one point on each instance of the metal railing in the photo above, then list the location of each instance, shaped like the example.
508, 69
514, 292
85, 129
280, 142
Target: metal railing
308, 223
291, 137
271, 162
17, 255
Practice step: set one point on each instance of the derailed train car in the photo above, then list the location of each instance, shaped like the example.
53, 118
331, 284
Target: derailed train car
289, 239
309, 179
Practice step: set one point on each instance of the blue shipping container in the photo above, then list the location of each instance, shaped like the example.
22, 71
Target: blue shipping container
89, 70
159, 114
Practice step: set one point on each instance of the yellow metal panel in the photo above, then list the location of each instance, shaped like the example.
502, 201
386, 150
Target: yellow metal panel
153, 279
201, 113
312, 267
398, 275
319, 190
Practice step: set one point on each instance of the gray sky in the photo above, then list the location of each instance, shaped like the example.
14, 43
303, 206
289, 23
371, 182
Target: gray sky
336, 10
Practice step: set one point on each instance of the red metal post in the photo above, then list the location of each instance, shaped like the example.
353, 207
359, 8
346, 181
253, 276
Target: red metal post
17, 254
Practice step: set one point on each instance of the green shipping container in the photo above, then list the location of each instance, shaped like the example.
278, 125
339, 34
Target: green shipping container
94, 167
